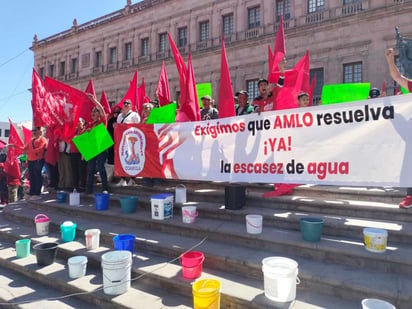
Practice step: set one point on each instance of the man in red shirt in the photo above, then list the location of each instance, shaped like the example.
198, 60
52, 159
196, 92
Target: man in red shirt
405, 83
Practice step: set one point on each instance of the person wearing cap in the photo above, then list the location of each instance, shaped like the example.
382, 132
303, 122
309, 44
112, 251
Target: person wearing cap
266, 100
208, 112
243, 107
407, 84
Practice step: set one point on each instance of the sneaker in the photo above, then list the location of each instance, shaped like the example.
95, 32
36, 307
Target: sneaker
122, 183
131, 182
35, 197
406, 202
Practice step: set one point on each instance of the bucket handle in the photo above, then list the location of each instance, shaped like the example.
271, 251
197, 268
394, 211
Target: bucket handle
297, 280
180, 261
181, 186
40, 216
252, 225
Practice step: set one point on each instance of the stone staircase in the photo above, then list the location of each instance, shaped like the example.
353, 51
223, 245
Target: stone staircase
336, 272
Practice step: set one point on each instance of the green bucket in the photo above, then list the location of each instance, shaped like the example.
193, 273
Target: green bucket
311, 229
128, 204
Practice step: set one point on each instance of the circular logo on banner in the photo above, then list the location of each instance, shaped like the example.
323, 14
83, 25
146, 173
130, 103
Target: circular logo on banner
132, 151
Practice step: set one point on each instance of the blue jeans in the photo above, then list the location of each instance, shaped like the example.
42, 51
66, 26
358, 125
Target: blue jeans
35, 177
93, 164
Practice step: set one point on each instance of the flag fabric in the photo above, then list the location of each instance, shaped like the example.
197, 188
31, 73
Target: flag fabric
279, 53
26, 134
70, 104
162, 91
270, 59
142, 98
181, 68
189, 109
383, 88
85, 111
11, 166
226, 102
105, 103
312, 90
131, 94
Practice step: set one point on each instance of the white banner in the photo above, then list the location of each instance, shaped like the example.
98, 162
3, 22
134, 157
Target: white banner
365, 143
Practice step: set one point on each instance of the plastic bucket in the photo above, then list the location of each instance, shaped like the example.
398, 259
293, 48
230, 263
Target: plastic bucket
101, 201
206, 294
373, 303
192, 264
22, 248
162, 206
254, 224
128, 204
180, 193
311, 228
375, 239
116, 267
189, 214
124, 242
74, 198
280, 278
45, 253
77, 266
68, 231
92, 239
61, 197
42, 224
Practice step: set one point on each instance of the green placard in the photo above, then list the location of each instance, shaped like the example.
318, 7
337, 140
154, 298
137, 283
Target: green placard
203, 89
93, 142
403, 90
348, 92
163, 114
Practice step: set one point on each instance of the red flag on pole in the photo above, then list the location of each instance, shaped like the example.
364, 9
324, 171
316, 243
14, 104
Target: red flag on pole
162, 90
226, 102
26, 134
181, 69
131, 94
142, 98
278, 53
11, 166
105, 103
312, 90
189, 109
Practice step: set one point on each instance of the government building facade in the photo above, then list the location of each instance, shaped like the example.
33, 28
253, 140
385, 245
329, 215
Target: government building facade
346, 40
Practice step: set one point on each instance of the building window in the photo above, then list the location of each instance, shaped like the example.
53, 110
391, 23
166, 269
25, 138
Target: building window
145, 47
204, 31
345, 2
73, 67
282, 9
98, 59
128, 51
253, 17
62, 68
6, 133
227, 23
352, 72
51, 70
252, 88
41, 73
113, 55
319, 76
163, 42
182, 37
315, 6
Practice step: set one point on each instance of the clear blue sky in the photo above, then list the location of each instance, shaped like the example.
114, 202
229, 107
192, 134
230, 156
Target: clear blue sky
20, 20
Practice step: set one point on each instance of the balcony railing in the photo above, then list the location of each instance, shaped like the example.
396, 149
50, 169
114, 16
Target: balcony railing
252, 33
127, 63
183, 49
315, 18
200, 45
162, 55
112, 67
144, 59
98, 69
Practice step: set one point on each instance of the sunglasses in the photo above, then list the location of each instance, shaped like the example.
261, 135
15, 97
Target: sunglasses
127, 103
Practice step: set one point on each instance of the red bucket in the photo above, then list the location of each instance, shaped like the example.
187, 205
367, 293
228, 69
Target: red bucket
192, 263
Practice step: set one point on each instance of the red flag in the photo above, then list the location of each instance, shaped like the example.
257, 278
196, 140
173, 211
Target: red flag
142, 98
162, 90
90, 88
312, 90
105, 103
70, 104
11, 166
189, 109
26, 134
131, 94
270, 59
226, 103
383, 88
278, 53
181, 69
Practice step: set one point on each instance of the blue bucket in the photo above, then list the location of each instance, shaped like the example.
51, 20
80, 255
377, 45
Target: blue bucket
68, 230
61, 197
101, 201
128, 204
124, 242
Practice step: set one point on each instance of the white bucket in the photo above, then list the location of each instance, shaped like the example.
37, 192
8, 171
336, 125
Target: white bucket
162, 206
254, 224
74, 198
116, 267
189, 214
42, 224
92, 239
375, 239
180, 193
77, 266
373, 303
280, 278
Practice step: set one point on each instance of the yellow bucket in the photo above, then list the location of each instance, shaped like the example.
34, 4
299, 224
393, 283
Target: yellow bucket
206, 294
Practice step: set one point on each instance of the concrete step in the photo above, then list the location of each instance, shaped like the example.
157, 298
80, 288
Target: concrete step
234, 256
164, 273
